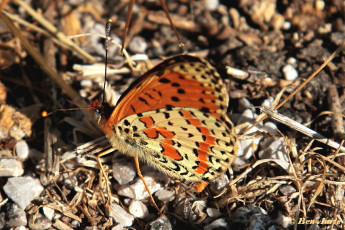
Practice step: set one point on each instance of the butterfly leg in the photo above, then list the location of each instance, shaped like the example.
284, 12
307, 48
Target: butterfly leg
103, 172
165, 9
136, 161
128, 20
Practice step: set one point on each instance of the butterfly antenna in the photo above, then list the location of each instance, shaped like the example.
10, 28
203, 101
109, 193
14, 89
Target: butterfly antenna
106, 44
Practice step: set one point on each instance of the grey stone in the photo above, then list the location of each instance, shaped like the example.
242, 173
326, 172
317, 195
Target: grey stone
16, 216
22, 190
161, 223
22, 150
120, 216
10, 167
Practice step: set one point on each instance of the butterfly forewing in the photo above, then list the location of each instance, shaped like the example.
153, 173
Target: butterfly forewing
182, 81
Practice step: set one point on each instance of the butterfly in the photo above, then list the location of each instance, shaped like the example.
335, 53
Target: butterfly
174, 117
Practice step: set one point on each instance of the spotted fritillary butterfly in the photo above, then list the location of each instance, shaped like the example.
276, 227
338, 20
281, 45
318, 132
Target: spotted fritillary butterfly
174, 118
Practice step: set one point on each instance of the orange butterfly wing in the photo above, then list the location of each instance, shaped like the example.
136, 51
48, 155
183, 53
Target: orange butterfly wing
174, 118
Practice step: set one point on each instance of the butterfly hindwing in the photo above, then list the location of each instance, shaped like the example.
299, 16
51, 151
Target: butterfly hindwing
183, 142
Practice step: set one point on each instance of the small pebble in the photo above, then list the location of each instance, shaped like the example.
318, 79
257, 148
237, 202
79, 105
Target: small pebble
218, 184
165, 195
248, 115
260, 222
289, 72
86, 83
40, 222
213, 212
211, 5
274, 148
138, 209
17, 133
243, 104
22, 190
291, 61
123, 171
10, 167
117, 227
284, 221
251, 217
48, 212
270, 128
319, 5
20, 228
268, 102
120, 216
22, 150
161, 223
15, 216
137, 189
217, 224
287, 25
191, 209
137, 45
287, 190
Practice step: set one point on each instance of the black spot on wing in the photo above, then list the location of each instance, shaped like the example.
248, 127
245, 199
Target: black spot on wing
164, 80
143, 100
176, 99
181, 91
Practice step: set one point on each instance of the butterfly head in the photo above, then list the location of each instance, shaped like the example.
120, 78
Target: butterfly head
101, 111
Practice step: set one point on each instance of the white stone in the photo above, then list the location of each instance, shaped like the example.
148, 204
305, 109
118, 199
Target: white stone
268, 102
86, 83
217, 224
289, 72
117, 227
138, 209
165, 195
287, 25
161, 222
218, 184
123, 172
22, 150
270, 128
274, 148
120, 216
22, 190
137, 190
247, 146
248, 115
10, 167
287, 190
291, 61
138, 45
213, 212
16, 216
48, 212
211, 5
17, 133
243, 104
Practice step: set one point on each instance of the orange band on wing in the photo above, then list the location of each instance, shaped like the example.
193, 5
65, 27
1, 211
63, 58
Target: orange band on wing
170, 151
148, 121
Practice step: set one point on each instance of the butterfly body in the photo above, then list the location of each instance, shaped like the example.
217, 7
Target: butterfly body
174, 118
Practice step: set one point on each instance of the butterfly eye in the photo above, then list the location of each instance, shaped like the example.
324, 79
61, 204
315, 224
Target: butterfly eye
98, 115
